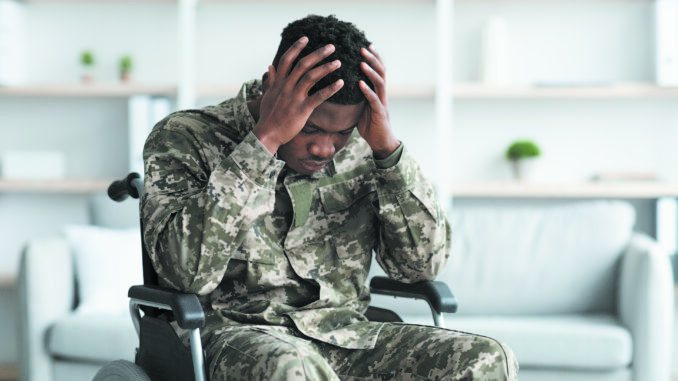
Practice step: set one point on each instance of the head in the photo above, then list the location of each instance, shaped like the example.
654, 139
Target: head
329, 127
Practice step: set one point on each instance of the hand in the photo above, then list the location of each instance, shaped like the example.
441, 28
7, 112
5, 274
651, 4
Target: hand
374, 125
285, 105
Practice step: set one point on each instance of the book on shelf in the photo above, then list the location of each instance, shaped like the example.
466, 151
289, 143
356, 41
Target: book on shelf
624, 176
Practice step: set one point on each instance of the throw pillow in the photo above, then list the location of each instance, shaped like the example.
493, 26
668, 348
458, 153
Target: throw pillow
107, 263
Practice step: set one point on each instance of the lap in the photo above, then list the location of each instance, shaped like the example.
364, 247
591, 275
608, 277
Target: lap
402, 352
405, 351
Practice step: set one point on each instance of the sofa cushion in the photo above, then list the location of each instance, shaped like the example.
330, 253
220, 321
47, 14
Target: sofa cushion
591, 342
93, 337
107, 263
538, 260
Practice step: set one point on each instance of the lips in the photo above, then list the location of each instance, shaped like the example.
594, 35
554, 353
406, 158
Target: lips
312, 165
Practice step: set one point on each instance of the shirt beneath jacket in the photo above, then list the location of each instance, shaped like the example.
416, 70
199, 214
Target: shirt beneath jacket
262, 244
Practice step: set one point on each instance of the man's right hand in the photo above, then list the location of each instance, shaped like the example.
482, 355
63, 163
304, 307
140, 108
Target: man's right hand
285, 105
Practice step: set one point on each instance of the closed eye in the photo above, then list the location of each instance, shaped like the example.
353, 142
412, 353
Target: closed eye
347, 131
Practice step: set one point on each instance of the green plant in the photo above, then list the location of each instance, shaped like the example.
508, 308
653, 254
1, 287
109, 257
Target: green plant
87, 58
521, 149
126, 64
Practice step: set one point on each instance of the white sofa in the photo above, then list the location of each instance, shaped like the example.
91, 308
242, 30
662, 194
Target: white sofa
571, 289
68, 331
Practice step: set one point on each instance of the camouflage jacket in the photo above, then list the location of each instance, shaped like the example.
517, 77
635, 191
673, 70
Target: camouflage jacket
261, 244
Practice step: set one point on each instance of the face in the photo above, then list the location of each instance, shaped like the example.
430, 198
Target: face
326, 132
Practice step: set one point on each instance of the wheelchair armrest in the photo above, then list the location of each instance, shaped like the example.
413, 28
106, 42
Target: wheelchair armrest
185, 307
436, 293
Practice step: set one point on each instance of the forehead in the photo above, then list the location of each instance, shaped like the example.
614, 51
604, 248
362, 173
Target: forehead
334, 117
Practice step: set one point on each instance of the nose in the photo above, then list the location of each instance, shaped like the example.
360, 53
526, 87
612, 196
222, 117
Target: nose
322, 147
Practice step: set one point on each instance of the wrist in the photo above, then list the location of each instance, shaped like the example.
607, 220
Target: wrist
267, 138
386, 151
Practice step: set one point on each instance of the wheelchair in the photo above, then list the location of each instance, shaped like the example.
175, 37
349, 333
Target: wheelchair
161, 356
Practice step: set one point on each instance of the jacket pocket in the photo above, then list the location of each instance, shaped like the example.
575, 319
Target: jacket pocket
350, 216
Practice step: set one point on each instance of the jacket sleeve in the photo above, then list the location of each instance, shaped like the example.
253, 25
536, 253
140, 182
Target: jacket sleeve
414, 234
194, 217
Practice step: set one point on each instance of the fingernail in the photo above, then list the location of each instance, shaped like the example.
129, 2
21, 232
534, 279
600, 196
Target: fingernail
329, 48
336, 63
303, 40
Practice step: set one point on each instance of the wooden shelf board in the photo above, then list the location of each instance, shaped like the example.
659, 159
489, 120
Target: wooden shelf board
394, 91
54, 186
7, 281
9, 372
613, 91
424, 92
511, 189
88, 90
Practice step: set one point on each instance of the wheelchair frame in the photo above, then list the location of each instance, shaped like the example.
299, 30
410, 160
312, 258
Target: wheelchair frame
188, 312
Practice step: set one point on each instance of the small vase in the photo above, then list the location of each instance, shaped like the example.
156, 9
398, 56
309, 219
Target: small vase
522, 169
87, 76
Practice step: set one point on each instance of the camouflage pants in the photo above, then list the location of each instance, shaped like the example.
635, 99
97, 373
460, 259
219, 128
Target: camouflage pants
403, 352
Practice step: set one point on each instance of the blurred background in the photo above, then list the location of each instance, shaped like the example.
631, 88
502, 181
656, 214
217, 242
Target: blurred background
589, 83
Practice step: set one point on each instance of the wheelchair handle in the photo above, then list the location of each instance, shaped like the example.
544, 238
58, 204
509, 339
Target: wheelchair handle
131, 185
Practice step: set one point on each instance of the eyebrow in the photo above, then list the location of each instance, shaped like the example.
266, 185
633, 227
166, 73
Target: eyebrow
314, 126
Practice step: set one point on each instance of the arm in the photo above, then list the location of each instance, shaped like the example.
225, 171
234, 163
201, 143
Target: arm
414, 233
193, 219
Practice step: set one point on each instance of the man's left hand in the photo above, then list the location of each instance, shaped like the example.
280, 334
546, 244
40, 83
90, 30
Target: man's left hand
374, 125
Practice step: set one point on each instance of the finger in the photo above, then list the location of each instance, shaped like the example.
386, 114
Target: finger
271, 74
313, 76
307, 63
376, 79
374, 60
290, 55
372, 98
325, 93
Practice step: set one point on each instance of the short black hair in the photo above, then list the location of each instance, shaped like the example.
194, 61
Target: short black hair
347, 40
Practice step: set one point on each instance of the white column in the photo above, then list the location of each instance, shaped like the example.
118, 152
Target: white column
187, 54
443, 101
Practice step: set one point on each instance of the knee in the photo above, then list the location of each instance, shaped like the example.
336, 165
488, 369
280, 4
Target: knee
491, 360
285, 362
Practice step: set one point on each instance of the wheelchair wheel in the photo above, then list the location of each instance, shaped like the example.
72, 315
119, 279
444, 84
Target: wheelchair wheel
121, 370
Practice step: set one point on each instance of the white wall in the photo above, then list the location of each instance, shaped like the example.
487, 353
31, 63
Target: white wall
554, 41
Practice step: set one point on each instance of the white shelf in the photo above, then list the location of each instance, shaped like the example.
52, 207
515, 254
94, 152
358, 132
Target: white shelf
425, 92
513, 189
87, 90
6, 281
74, 186
394, 91
612, 91
9, 372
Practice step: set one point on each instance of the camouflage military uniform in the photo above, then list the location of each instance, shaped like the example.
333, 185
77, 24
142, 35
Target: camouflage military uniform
279, 259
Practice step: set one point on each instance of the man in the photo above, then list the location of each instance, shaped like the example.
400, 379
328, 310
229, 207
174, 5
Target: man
269, 206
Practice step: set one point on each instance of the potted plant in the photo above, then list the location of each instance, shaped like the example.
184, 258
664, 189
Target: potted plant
125, 66
87, 61
519, 153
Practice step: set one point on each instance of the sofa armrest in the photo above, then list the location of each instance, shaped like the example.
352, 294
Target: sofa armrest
46, 290
646, 298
